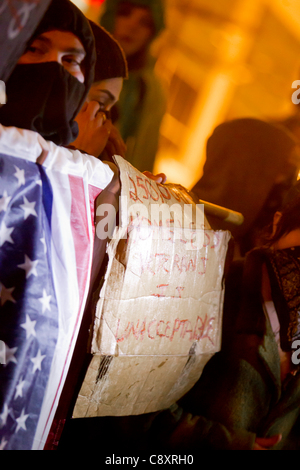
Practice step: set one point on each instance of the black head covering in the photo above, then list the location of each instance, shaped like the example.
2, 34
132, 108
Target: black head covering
64, 15
45, 97
111, 61
244, 158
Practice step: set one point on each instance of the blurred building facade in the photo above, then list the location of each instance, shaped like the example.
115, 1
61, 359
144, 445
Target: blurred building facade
221, 59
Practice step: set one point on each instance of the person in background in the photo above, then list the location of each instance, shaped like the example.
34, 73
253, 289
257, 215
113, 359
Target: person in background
248, 397
135, 24
250, 165
97, 135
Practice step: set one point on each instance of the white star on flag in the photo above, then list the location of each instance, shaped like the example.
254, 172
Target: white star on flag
28, 208
19, 389
37, 361
21, 421
10, 355
29, 327
6, 294
29, 266
20, 175
4, 201
45, 301
5, 234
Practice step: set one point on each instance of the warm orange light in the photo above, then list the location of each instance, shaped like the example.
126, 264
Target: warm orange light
94, 3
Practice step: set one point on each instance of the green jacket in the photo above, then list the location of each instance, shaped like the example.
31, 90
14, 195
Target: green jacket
142, 106
143, 100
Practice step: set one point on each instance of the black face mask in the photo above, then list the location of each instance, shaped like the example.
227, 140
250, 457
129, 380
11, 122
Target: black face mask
43, 98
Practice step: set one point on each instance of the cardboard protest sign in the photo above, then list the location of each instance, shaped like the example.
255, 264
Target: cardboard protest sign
18, 21
159, 314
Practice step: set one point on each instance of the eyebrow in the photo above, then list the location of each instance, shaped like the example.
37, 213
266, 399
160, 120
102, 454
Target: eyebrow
110, 95
71, 50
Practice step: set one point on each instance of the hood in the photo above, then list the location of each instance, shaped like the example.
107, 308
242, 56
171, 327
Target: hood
156, 7
243, 160
64, 15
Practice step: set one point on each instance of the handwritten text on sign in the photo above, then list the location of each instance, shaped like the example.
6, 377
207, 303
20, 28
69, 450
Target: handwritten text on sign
163, 292
177, 329
145, 203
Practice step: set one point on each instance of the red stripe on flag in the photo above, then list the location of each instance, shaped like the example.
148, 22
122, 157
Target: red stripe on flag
80, 230
83, 250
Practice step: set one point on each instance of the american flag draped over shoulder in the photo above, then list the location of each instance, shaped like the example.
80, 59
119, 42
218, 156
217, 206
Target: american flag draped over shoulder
46, 242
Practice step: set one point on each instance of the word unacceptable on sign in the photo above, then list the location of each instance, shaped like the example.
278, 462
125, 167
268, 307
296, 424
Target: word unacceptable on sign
194, 331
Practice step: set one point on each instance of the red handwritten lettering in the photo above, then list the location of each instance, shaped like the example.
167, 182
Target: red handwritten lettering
141, 185
163, 259
134, 195
161, 335
142, 330
176, 328
119, 340
204, 261
169, 330
160, 263
165, 195
190, 330
207, 243
192, 265
203, 328
150, 325
150, 190
163, 288
180, 290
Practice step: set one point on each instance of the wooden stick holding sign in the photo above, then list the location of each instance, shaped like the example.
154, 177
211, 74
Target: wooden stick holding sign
228, 215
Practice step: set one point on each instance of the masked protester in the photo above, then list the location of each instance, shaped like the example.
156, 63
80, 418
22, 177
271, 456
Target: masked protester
44, 93
46, 200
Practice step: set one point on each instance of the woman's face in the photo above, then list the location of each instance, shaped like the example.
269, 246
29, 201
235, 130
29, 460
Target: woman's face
106, 93
134, 28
